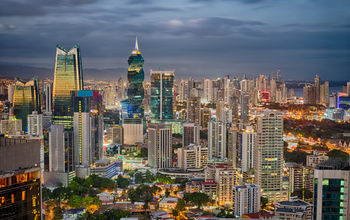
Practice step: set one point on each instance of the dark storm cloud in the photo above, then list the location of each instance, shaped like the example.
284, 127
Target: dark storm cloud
35, 7
213, 36
242, 1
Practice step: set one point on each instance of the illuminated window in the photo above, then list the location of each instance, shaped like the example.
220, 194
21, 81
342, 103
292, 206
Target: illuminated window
12, 198
342, 182
325, 182
23, 195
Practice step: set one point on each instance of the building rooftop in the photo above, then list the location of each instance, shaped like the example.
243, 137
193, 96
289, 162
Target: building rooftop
335, 164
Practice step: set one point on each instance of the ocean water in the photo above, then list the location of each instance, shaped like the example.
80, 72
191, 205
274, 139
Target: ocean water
298, 92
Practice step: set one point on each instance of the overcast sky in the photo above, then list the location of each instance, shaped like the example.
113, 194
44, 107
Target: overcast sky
202, 38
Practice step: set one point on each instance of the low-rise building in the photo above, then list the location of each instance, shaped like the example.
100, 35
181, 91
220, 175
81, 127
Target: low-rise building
107, 168
315, 159
168, 203
295, 209
106, 198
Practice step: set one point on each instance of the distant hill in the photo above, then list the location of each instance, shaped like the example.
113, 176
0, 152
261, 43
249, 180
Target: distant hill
27, 72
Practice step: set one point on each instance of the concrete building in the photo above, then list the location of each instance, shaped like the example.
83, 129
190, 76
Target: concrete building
247, 199
60, 161
217, 140
191, 132
13, 126
269, 155
247, 144
115, 134
192, 156
20, 179
315, 159
332, 190
35, 124
133, 131
300, 177
193, 110
295, 209
106, 168
159, 146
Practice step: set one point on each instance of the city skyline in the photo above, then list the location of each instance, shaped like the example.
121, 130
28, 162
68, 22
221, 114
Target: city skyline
202, 38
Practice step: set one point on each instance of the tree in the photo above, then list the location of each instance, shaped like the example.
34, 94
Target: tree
197, 198
338, 154
149, 177
75, 201
58, 213
167, 193
263, 202
180, 205
123, 182
144, 152
61, 194
91, 204
47, 194
139, 178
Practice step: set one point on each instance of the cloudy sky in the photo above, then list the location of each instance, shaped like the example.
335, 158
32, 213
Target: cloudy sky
201, 38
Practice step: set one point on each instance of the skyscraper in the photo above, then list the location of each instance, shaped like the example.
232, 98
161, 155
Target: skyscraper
244, 108
332, 190
246, 141
162, 93
35, 124
318, 89
247, 199
68, 77
135, 77
88, 130
191, 133
25, 100
193, 110
48, 97
217, 142
269, 155
159, 146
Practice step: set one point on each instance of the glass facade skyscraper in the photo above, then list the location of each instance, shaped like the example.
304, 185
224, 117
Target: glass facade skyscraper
25, 99
162, 93
68, 77
135, 77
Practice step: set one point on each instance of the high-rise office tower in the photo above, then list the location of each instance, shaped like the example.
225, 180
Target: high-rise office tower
68, 77
159, 146
247, 199
318, 88
191, 132
244, 108
162, 93
193, 109
88, 130
217, 142
60, 156
48, 97
20, 179
25, 100
35, 124
269, 155
332, 190
135, 77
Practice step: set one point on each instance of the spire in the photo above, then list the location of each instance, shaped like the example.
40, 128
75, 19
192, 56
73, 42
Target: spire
136, 45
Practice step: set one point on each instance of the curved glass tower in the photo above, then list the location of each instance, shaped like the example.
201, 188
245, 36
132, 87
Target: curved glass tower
135, 78
68, 77
25, 99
